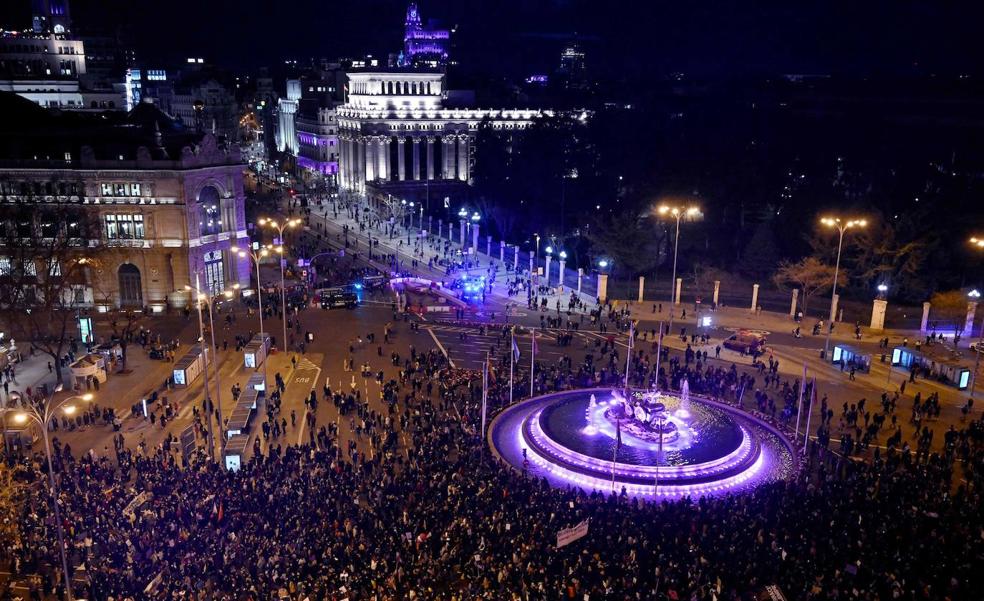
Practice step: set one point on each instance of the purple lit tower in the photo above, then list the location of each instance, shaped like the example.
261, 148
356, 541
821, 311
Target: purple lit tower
51, 16
424, 46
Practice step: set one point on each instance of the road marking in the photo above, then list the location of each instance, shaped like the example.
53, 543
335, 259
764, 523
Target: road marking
441, 346
300, 431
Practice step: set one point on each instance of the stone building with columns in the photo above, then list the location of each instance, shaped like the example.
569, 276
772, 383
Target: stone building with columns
395, 127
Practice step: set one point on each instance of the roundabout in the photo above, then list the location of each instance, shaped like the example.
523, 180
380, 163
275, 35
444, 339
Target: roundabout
651, 444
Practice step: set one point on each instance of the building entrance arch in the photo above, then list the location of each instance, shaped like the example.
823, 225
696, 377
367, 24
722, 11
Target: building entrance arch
131, 286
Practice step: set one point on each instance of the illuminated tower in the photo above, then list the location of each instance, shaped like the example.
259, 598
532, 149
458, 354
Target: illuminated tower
51, 16
423, 46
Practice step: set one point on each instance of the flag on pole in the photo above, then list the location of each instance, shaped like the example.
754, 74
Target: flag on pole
618, 434
515, 347
485, 394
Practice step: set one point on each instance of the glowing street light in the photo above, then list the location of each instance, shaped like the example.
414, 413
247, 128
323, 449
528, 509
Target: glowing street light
977, 242
603, 263
42, 413
280, 249
563, 254
676, 212
841, 226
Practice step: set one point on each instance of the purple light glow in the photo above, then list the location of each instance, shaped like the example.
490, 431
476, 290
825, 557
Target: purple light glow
761, 455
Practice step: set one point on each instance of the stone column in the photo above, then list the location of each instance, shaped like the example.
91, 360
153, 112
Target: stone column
833, 308
878, 310
342, 162
475, 238
679, 289
416, 158
461, 238
717, 291
925, 317
546, 270
560, 276
516, 258
968, 330
792, 305
371, 158
463, 157
347, 170
502, 252
532, 275
602, 287
440, 229
642, 287
430, 223
488, 245
430, 158
580, 274
384, 157
755, 296
401, 151
447, 152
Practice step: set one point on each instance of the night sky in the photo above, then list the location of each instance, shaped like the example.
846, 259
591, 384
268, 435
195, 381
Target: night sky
721, 39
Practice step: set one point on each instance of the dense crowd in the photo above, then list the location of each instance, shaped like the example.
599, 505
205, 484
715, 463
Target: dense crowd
438, 519
417, 510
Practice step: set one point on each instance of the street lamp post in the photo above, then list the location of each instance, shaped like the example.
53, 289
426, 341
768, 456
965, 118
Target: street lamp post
281, 227
676, 213
976, 295
841, 227
256, 257
42, 416
977, 244
204, 297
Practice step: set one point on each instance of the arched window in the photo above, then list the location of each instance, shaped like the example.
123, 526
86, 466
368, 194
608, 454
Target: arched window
209, 213
131, 288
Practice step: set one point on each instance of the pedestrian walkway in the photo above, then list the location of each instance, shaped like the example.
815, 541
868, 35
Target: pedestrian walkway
391, 245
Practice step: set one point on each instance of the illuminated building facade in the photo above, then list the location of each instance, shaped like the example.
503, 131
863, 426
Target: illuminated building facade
423, 46
169, 201
395, 128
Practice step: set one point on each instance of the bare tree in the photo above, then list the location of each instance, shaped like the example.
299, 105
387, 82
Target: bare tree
810, 275
44, 263
951, 309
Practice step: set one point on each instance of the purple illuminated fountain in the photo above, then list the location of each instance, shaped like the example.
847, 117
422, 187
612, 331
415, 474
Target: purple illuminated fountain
671, 446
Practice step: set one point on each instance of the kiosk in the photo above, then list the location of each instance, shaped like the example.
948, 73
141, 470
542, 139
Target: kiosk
848, 356
189, 367
235, 452
255, 352
89, 368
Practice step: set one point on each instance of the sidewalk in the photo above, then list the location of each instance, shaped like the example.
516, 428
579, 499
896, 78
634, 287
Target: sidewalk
392, 246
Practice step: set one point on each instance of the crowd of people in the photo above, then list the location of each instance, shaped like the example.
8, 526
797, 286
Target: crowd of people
436, 517
411, 505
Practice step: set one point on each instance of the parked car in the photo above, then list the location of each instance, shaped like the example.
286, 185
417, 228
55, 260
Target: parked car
745, 341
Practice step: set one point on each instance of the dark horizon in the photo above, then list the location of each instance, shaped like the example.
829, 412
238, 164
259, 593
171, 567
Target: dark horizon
724, 41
